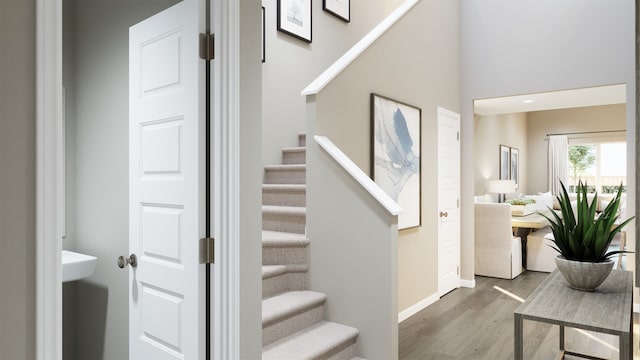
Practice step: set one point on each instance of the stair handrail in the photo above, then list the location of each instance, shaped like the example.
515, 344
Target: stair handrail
352, 169
336, 68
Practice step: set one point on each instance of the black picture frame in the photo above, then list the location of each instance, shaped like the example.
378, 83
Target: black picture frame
264, 43
295, 18
338, 8
396, 155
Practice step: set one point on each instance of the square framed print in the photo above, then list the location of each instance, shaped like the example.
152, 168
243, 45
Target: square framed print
505, 162
294, 18
338, 8
396, 155
515, 159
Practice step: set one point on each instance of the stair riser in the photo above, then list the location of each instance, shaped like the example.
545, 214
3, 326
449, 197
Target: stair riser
345, 352
284, 255
294, 157
293, 176
284, 282
284, 223
284, 198
291, 325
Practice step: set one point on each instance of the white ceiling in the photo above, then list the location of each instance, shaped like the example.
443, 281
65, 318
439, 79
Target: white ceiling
601, 95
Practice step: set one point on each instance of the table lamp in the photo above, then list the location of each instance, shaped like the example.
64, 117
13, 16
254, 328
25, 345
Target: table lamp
502, 187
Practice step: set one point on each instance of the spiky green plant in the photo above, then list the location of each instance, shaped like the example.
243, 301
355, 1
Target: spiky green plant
583, 236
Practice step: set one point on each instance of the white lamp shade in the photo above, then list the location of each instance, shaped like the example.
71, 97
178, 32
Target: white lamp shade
502, 186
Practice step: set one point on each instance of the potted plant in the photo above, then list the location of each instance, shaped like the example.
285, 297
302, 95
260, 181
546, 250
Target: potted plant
583, 237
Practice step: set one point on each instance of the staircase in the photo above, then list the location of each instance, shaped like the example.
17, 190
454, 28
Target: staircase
293, 325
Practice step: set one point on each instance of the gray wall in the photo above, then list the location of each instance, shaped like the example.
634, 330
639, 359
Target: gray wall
586, 119
292, 64
534, 46
491, 131
17, 179
424, 72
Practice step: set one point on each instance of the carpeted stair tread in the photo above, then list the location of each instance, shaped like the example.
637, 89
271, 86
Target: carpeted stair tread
284, 210
311, 343
288, 304
269, 271
283, 237
295, 149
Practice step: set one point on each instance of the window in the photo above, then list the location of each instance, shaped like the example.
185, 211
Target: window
603, 166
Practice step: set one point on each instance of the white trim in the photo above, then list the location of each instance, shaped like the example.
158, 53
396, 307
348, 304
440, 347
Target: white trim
48, 201
468, 283
365, 181
225, 194
417, 307
336, 68
636, 308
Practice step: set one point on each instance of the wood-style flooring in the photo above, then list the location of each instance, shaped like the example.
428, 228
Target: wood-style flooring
478, 324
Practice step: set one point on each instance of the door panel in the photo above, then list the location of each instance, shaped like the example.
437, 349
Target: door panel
448, 201
166, 174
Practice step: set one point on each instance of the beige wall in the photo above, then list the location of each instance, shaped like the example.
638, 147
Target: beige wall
586, 119
491, 131
424, 73
17, 179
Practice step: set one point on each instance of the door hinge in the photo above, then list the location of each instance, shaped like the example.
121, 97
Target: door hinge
458, 136
207, 46
207, 250
458, 270
458, 203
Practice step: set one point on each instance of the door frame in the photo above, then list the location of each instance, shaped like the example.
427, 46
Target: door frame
50, 179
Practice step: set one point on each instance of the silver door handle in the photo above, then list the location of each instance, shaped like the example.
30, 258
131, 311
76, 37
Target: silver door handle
444, 214
131, 260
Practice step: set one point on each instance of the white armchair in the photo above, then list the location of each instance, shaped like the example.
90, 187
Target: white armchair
497, 252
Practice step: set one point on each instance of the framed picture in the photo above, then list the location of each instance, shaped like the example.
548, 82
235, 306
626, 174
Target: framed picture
294, 18
515, 158
338, 8
396, 154
505, 162
263, 37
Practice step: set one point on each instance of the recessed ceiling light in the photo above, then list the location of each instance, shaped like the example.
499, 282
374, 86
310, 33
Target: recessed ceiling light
528, 101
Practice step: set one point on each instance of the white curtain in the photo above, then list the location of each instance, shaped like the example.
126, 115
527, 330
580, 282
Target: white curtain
558, 162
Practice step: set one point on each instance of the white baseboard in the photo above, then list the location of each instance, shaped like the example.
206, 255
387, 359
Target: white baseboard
468, 283
636, 308
414, 309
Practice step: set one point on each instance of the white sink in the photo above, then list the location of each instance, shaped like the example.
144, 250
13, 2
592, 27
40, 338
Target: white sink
76, 266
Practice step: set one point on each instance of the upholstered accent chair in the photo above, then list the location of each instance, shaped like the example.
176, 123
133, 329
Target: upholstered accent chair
497, 252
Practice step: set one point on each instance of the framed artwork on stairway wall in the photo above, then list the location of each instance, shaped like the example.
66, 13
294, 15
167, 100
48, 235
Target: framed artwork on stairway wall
396, 154
294, 18
338, 8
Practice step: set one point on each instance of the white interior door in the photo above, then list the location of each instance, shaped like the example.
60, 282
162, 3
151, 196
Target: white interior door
448, 201
166, 197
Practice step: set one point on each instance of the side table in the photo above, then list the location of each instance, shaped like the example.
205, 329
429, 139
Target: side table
606, 310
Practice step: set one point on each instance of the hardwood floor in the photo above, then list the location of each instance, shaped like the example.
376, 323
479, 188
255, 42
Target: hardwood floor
478, 324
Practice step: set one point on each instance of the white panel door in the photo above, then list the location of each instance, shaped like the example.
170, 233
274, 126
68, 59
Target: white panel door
166, 183
448, 201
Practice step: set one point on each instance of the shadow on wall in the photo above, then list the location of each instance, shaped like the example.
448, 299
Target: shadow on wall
91, 318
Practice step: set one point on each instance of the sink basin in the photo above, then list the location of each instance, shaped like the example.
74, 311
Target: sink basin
76, 266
